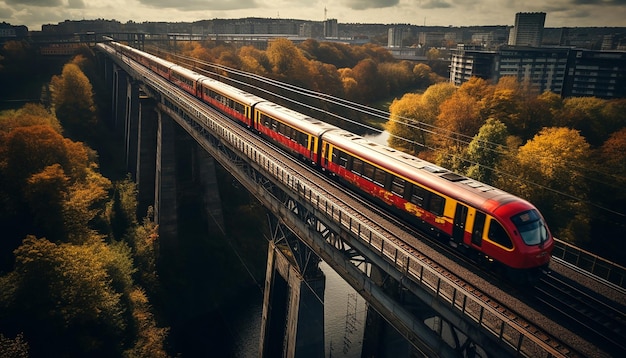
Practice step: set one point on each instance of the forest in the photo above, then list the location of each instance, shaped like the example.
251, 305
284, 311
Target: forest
79, 266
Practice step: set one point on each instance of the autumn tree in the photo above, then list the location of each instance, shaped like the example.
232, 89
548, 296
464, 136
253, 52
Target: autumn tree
549, 171
29, 115
368, 80
595, 118
254, 61
62, 296
459, 119
72, 99
288, 63
412, 118
607, 184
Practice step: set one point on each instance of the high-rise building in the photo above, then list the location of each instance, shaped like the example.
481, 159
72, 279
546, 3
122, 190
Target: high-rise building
563, 70
395, 37
331, 28
528, 29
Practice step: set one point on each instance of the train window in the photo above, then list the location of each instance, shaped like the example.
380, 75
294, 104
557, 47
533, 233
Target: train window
357, 166
498, 235
479, 225
419, 196
380, 177
238, 107
340, 158
397, 186
368, 171
303, 139
436, 204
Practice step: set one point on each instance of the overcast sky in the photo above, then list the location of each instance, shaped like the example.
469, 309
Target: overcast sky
560, 13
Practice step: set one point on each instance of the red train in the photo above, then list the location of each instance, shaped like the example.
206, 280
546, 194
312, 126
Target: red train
495, 226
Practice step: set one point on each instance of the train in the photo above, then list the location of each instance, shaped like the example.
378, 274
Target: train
494, 227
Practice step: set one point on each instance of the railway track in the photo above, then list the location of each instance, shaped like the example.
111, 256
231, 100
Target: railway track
583, 311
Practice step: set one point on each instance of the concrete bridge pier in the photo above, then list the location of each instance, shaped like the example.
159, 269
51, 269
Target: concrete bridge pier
147, 125
131, 124
293, 311
119, 96
165, 194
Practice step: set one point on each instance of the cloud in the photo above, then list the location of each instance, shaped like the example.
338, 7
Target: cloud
5, 12
207, 5
599, 2
370, 4
76, 4
48, 3
435, 4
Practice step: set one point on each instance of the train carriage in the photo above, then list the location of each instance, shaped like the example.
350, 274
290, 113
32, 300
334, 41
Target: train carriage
186, 79
467, 213
294, 131
230, 100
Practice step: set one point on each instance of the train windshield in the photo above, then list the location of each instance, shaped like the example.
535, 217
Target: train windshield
531, 227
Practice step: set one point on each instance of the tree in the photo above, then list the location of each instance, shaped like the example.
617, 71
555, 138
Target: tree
460, 118
29, 115
72, 99
45, 194
369, 81
63, 299
549, 171
485, 150
30, 149
412, 118
586, 114
254, 61
404, 124
288, 63
13, 348
607, 185
150, 338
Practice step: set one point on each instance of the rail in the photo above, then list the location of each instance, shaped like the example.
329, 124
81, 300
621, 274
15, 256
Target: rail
592, 263
485, 313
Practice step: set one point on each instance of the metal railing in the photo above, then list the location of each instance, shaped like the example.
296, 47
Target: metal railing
592, 263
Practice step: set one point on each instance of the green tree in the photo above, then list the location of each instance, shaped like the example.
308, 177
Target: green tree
485, 150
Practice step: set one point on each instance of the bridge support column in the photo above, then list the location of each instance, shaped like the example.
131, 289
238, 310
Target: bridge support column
293, 313
118, 105
205, 174
165, 195
146, 154
131, 120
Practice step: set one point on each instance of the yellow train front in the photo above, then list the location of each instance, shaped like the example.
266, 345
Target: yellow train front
487, 223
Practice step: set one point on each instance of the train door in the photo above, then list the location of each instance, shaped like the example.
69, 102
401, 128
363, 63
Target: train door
479, 226
460, 218
325, 151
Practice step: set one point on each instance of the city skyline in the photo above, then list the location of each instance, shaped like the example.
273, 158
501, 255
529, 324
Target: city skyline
560, 13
